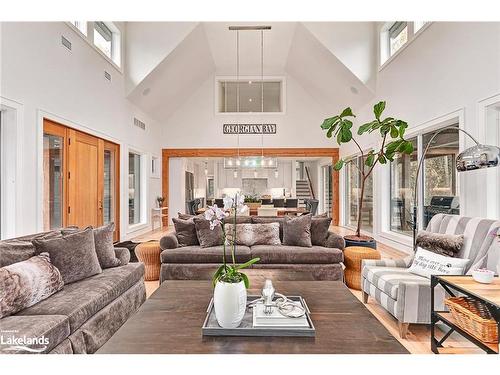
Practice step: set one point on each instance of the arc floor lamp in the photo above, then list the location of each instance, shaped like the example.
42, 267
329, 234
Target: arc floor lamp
476, 157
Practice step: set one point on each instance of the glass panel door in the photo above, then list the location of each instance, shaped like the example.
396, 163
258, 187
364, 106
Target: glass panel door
403, 171
439, 173
134, 178
53, 154
109, 187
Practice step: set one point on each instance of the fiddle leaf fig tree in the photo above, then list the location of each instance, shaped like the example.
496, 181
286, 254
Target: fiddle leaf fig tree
391, 131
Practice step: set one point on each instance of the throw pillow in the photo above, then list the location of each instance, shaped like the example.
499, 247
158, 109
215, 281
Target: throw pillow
103, 241
440, 243
239, 220
319, 230
188, 216
426, 263
255, 234
207, 237
20, 249
74, 255
25, 283
185, 231
269, 219
297, 231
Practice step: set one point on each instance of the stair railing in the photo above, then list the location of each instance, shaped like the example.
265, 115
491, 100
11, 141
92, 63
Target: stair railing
310, 183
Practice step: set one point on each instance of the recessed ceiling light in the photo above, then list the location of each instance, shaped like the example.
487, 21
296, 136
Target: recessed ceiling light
250, 100
146, 91
249, 82
354, 90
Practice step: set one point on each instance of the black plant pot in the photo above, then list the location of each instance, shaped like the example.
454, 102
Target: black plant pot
365, 241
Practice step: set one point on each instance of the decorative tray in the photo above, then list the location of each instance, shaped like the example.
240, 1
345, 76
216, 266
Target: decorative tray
246, 328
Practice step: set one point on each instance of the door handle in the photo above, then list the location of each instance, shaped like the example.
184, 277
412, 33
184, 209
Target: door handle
100, 205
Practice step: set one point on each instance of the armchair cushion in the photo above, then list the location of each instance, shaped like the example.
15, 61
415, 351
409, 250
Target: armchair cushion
388, 279
401, 263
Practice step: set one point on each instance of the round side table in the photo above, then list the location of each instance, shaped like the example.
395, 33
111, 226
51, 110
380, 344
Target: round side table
149, 254
353, 255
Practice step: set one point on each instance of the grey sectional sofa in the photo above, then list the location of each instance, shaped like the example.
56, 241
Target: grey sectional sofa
197, 263
83, 315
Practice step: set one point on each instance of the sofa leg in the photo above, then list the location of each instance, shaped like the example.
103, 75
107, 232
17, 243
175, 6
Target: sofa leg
403, 329
365, 297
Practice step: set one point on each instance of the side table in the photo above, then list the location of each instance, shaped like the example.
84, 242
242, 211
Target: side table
149, 254
487, 294
353, 256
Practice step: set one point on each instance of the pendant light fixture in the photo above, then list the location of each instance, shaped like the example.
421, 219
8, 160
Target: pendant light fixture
238, 162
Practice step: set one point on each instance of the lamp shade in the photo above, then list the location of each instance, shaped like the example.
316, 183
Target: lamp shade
477, 157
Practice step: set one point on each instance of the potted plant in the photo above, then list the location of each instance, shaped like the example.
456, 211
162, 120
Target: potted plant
230, 284
253, 202
392, 133
160, 201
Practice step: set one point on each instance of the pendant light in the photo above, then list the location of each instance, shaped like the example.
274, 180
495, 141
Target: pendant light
262, 163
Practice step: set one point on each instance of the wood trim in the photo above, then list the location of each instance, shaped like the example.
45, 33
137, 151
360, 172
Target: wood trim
228, 152
115, 149
165, 180
333, 153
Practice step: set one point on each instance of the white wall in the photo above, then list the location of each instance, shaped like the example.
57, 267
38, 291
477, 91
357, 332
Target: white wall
449, 67
195, 123
353, 43
148, 43
69, 87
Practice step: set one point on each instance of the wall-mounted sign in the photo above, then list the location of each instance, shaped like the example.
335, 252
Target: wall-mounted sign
249, 128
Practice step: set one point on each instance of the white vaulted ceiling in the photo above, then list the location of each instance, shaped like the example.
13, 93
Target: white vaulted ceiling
332, 61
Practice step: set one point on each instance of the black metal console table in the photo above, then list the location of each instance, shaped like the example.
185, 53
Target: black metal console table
488, 294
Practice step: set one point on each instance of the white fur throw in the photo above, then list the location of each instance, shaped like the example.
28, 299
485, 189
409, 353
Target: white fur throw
255, 234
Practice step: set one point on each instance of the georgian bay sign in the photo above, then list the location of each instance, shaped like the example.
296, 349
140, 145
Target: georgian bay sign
249, 129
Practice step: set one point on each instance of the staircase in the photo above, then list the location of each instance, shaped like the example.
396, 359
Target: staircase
302, 191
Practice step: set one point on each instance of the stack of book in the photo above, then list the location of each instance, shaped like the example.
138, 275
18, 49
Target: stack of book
276, 319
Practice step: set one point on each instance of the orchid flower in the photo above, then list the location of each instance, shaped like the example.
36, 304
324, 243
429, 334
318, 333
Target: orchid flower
228, 203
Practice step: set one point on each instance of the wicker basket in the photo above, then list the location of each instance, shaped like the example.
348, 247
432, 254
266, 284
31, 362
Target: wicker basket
474, 317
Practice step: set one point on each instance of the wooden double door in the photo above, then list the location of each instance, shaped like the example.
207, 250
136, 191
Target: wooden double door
81, 179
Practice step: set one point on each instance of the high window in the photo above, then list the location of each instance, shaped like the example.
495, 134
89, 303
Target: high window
105, 37
395, 35
252, 95
398, 36
353, 191
134, 198
417, 25
81, 26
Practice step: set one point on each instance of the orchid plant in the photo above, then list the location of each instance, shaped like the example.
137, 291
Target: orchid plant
229, 273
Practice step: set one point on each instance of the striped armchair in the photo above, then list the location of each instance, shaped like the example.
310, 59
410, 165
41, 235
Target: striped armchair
407, 296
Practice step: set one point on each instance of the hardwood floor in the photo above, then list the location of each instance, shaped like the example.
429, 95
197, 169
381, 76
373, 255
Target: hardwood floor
418, 338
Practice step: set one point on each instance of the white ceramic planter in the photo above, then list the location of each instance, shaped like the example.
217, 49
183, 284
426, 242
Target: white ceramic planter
230, 303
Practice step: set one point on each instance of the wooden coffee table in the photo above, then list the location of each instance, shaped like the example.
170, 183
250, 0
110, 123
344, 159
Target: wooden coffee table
170, 322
